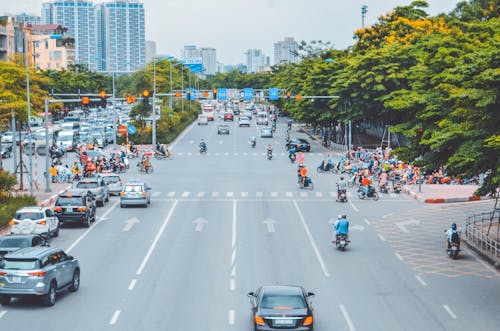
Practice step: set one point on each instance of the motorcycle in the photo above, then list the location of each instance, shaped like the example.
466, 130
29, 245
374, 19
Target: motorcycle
161, 156
142, 168
342, 195
133, 155
384, 188
253, 143
371, 193
397, 187
453, 248
327, 168
203, 149
306, 184
269, 154
292, 158
341, 241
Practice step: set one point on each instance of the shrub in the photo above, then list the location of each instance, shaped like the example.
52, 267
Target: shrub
9, 207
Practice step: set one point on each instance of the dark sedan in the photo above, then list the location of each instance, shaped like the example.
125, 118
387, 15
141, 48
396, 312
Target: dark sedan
301, 145
281, 308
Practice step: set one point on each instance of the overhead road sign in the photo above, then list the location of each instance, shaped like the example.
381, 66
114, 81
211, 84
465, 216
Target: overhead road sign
195, 64
274, 93
222, 94
248, 93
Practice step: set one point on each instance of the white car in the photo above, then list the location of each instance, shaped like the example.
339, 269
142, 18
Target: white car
262, 119
202, 119
38, 220
244, 121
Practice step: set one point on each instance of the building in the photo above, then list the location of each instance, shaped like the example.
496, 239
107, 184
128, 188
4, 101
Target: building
7, 37
80, 19
256, 60
123, 33
28, 19
209, 60
47, 52
286, 51
150, 50
190, 51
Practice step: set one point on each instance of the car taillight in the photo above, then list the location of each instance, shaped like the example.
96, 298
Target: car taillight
13, 222
57, 209
37, 273
42, 222
143, 194
81, 208
259, 320
2, 273
308, 320
122, 193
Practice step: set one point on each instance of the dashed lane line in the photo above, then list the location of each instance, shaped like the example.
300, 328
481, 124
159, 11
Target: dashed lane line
381, 237
231, 317
115, 317
449, 311
421, 280
353, 206
132, 284
2, 313
400, 258
347, 318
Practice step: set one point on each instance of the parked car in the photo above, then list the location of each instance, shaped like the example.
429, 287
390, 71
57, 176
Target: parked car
135, 192
76, 206
38, 271
12, 243
38, 220
97, 186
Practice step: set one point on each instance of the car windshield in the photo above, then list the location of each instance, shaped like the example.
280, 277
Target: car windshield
111, 179
19, 264
65, 138
133, 188
29, 215
69, 201
87, 185
14, 242
282, 302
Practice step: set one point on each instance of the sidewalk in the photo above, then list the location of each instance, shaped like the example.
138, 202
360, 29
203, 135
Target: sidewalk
442, 193
45, 199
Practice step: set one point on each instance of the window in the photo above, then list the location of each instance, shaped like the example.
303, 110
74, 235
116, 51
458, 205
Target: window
57, 55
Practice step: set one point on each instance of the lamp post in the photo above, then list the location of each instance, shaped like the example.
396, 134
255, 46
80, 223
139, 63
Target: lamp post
153, 132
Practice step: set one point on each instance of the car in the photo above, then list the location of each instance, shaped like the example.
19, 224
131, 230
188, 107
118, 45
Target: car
223, 129
38, 271
6, 151
202, 119
12, 243
75, 206
35, 219
266, 132
114, 183
97, 186
236, 111
262, 119
281, 308
135, 192
244, 121
7, 137
228, 117
248, 114
300, 145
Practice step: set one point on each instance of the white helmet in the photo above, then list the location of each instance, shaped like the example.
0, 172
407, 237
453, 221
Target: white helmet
339, 216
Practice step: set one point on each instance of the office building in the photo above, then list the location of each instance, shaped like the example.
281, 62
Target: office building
28, 19
256, 61
209, 60
190, 52
150, 50
286, 51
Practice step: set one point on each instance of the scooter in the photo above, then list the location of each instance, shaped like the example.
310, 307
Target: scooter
306, 184
253, 143
292, 158
341, 241
372, 194
397, 187
453, 250
203, 149
269, 154
342, 195
384, 188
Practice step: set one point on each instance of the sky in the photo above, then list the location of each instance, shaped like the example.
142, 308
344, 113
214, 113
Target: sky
234, 26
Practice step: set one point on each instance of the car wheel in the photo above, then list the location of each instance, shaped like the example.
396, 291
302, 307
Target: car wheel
107, 197
122, 205
87, 222
75, 282
4, 300
56, 232
100, 204
49, 299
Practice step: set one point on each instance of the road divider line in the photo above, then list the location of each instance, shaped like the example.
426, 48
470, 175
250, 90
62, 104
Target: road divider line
233, 271
232, 284
2, 313
115, 317
157, 238
231, 317
400, 258
421, 280
233, 256
449, 311
347, 318
367, 221
381, 237
233, 240
353, 207
101, 219
311, 239
132, 284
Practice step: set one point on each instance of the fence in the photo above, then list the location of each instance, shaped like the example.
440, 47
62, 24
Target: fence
483, 230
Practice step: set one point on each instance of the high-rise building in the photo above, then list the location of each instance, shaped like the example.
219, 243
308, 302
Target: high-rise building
79, 17
285, 51
123, 23
256, 60
209, 60
28, 19
190, 51
150, 50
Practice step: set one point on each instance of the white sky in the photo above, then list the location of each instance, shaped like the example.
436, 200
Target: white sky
233, 26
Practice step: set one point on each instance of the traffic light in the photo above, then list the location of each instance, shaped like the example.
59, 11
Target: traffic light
103, 96
130, 99
288, 95
145, 96
215, 93
188, 95
298, 97
85, 101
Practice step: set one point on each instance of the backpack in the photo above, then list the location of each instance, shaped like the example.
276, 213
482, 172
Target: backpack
455, 238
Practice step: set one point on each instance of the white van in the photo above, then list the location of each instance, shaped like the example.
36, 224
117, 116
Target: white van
262, 119
202, 119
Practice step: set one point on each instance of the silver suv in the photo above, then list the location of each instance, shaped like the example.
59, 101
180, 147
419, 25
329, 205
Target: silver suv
38, 271
97, 186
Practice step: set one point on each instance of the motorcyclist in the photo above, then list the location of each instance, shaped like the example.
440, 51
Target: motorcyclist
300, 157
269, 149
365, 184
289, 123
203, 145
341, 185
341, 226
452, 236
253, 141
291, 152
382, 180
302, 174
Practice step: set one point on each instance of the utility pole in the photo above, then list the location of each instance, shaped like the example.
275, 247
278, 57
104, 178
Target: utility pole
364, 10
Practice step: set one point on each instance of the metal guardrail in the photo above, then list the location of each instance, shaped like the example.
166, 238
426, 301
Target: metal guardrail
479, 230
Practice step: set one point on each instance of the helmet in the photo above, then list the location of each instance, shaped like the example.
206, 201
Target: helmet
201, 139
344, 215
453, 226
301, 165
341, 177
339, 216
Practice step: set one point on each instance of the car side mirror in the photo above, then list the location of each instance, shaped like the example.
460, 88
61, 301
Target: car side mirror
148, 188
251, 295
70, 257
310, 294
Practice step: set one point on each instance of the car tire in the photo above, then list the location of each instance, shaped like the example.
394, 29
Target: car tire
4, 300
107, 197
56, 231
49, 299
122, 205
87, 222
100, 204
75, 281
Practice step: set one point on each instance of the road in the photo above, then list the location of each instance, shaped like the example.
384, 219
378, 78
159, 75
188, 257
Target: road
224, 223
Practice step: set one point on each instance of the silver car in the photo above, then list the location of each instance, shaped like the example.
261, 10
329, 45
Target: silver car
114, 183
135, 192
38, 271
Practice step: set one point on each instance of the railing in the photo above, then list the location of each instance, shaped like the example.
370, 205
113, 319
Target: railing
483, 230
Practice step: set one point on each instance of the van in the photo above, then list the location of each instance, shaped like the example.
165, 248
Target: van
68, 140
262, 118
71, 126
202, 119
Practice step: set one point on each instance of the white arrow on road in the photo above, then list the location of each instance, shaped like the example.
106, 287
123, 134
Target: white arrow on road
357, 227
402, 225
129, 224
199, 224
270, 224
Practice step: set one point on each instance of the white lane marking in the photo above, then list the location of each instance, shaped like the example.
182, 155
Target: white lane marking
289, 194
157, 238
270, 224
102, 218
155, 194
367, 221
170, 194
319, 194
233, 241
217, 154
347, 318
274, 194
233, 271
215, 194
2, 313
231, 317
235, 154
421, 280
233, 256
449, 311
333, 194
259, 194
393, 195
226, 153
132, 284
180, 153
189, 153
244, 194
311, 240
381, 237
129, 224
115, 317
353, 206
220, 142
245, 153
232, 285
478, 259
400, 258
229, 194
185, 194
201, 194
254, 154
303, 194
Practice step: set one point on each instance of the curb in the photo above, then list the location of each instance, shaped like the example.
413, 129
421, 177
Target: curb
50, 201
489, 259
417, 197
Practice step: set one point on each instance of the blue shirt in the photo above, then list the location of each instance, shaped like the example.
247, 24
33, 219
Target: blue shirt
342, 226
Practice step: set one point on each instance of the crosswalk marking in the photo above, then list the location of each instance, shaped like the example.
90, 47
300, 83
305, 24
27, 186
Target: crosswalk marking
229, 194
254, 154
333, 194
155, 194
319, 194
217, 153
303, 194
289, 194
226, 153
180, 153
274, 194
201, 194
215, 194
235, 154
244, 194
185, 194
245, 153
170, 194
259, 194
189, 153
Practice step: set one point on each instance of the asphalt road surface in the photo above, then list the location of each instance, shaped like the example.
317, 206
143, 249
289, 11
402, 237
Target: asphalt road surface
224, 223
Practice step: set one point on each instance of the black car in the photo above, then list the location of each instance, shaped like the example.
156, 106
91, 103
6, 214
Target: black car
281, 308
301, 145
76, 206
12, 243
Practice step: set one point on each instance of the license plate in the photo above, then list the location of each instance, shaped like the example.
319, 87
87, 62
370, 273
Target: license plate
342, 242
454, 248
16, 279
2, 284
283, 322
69, 210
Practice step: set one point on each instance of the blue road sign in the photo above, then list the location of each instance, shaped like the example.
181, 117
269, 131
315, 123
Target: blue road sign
248, 93
274, 93
131, 130
221, 94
